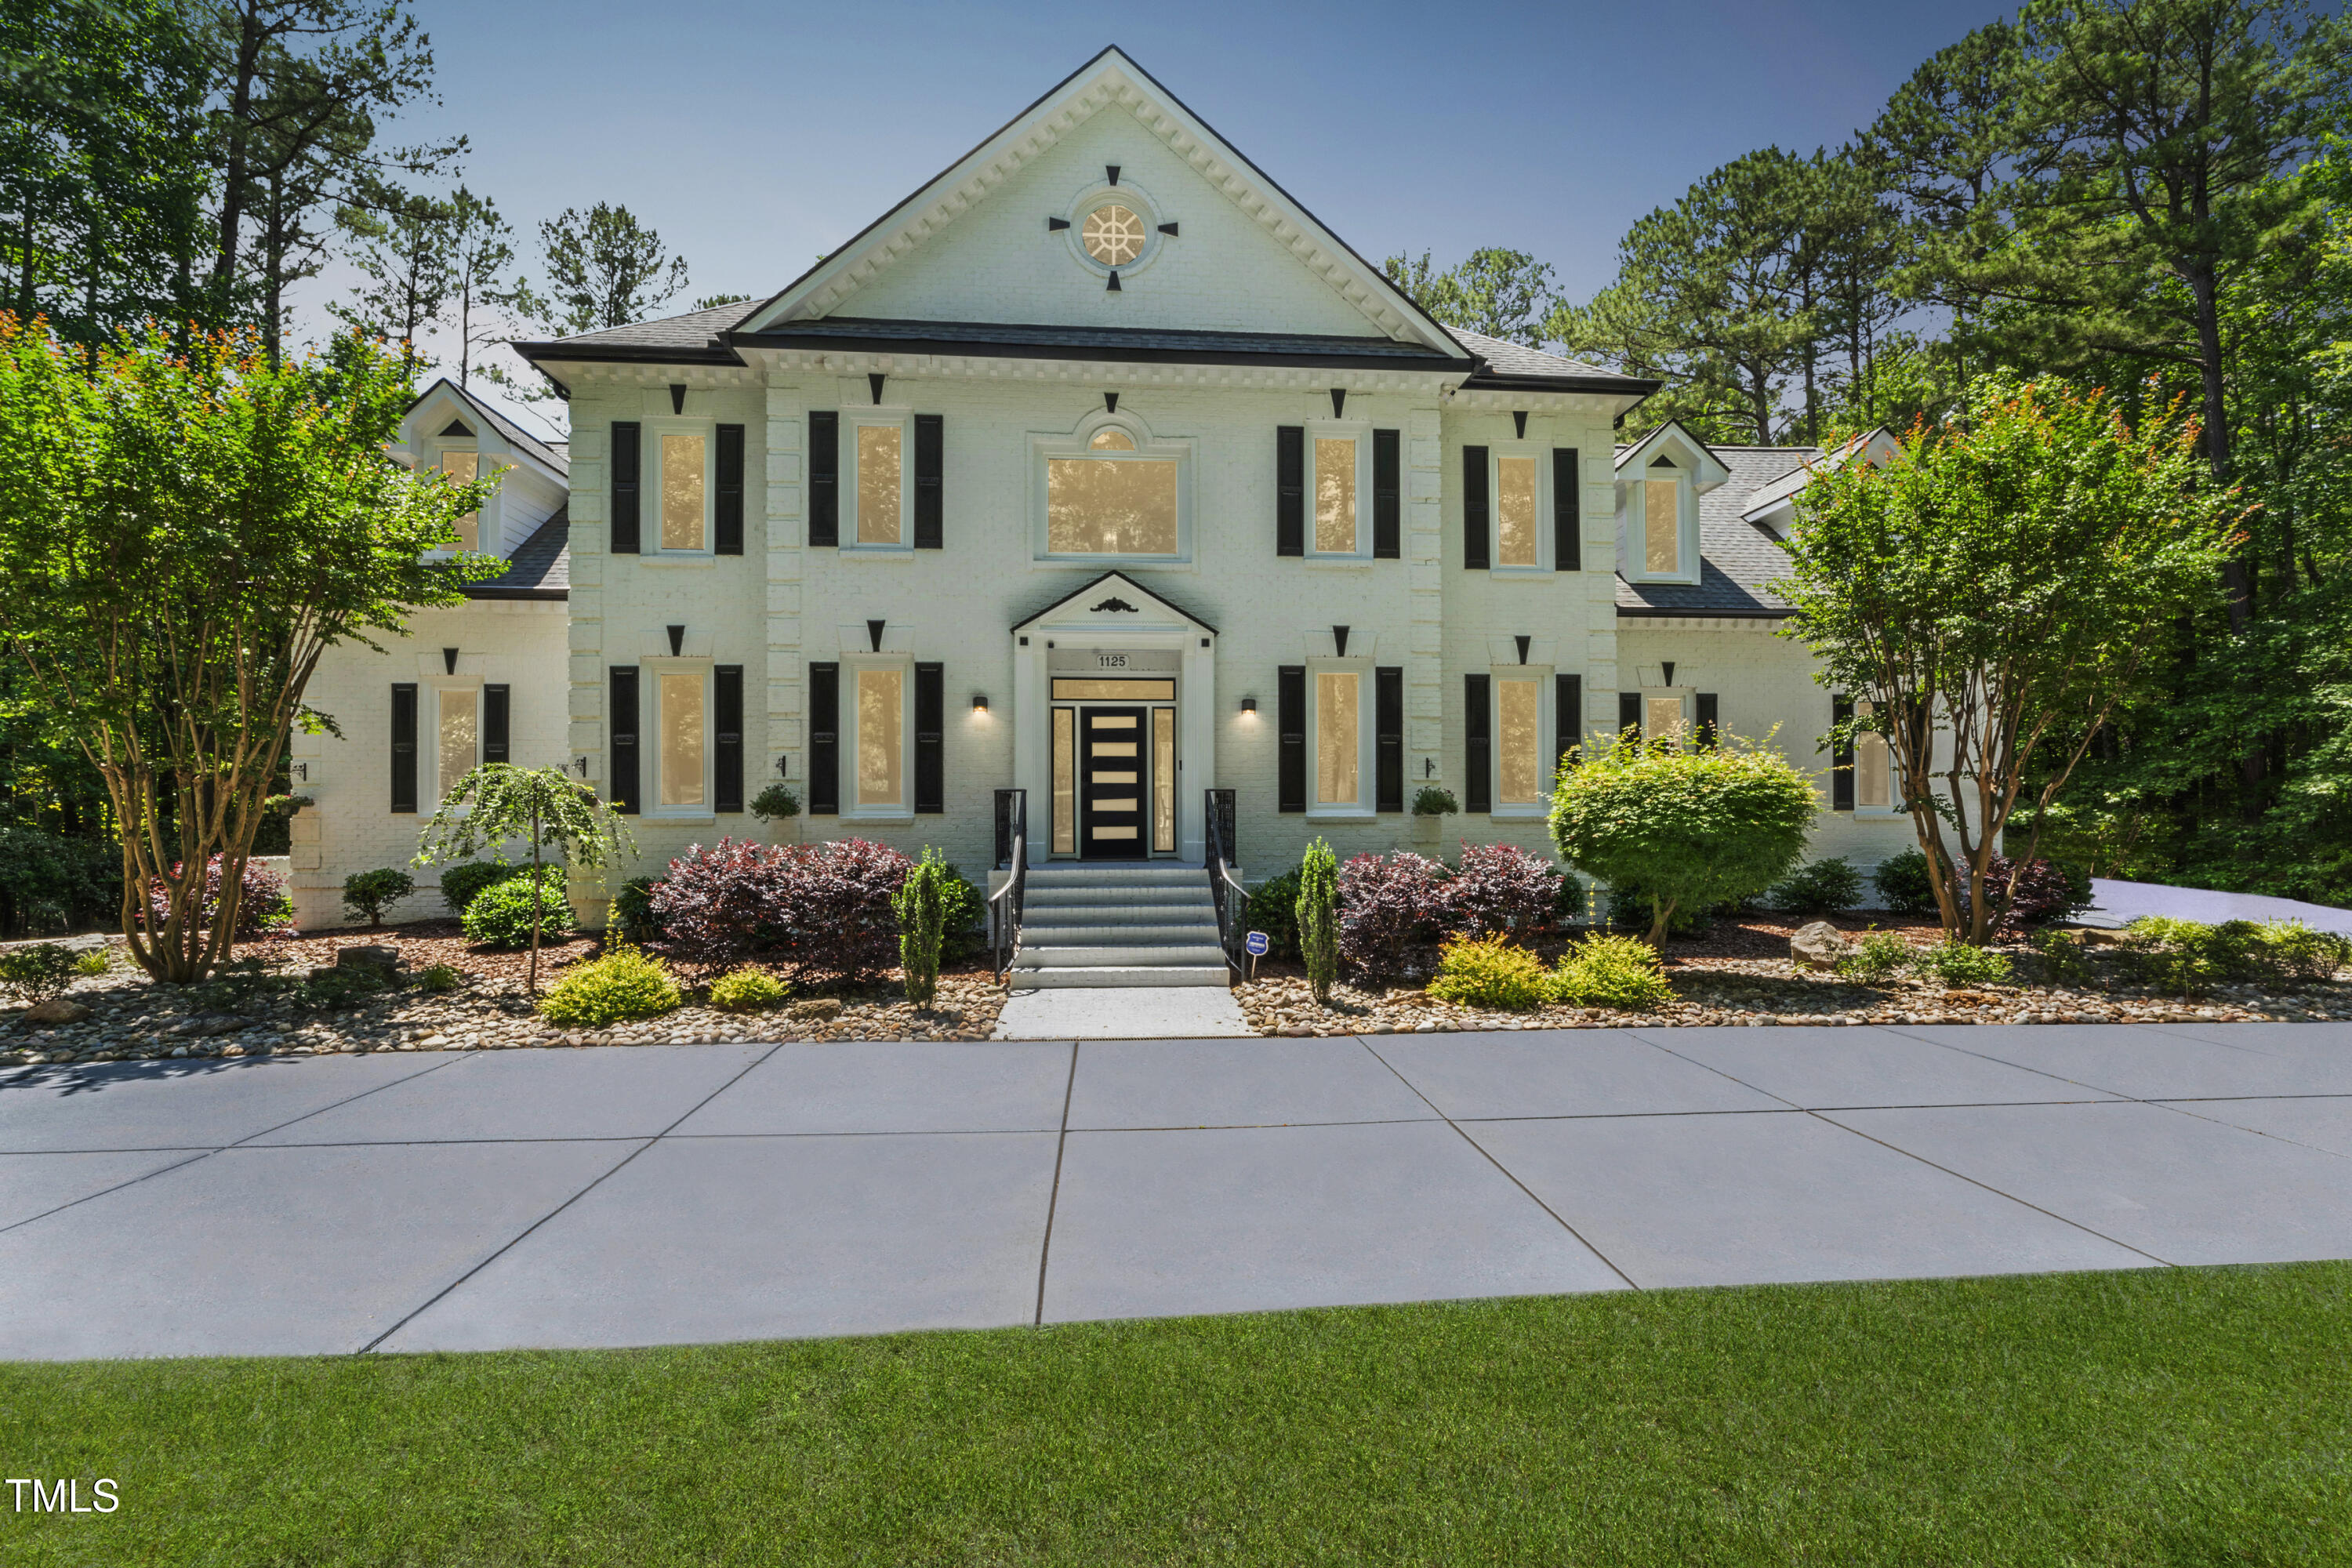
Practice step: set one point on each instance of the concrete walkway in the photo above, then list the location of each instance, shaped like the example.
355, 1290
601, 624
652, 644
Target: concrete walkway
1121, 1013
2120, 903
671, 1194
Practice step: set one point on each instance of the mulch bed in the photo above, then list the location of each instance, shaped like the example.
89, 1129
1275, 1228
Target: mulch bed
1738, 972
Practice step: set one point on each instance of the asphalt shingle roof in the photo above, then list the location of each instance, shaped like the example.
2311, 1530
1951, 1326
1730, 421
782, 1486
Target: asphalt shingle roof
540, 567
1505, 357
1114, 340
516, 434
1737, 558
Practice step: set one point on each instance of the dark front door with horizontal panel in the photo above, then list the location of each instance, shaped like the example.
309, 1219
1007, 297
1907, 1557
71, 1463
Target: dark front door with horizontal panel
1111, 761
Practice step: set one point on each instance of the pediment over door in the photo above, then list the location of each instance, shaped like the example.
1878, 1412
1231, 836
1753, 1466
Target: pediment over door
1112, 604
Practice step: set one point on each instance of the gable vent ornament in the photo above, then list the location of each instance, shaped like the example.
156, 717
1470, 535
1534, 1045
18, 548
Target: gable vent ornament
1111, 173
1168, 229
1056, 224
1115, 603
1113, 288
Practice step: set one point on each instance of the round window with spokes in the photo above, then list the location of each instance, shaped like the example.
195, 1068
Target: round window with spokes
1114, 235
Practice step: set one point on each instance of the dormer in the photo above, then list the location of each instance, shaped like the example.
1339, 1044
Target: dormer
449, 429
1659, 480
1773, 507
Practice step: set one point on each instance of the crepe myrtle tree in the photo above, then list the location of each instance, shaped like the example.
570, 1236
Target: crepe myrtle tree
498, 802
1993, 593
1692, 827
184, 531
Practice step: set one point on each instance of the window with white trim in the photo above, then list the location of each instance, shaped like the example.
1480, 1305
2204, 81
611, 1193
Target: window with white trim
457, 735
1666, 715
1112, 492
681, 747
1662, 522
879, 719
878, 491
1520, 768
1339, 736
1873, 766
1339, 477
464, 468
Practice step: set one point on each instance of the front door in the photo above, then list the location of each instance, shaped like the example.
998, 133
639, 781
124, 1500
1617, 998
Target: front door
1111, 757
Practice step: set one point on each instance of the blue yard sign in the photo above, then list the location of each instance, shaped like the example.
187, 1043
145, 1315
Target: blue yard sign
1257, 943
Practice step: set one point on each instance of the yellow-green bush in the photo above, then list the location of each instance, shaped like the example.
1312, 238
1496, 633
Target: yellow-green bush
747, 989
1619, 971
624, 984
1489, 971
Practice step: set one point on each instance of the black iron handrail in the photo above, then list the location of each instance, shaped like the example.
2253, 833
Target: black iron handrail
1225, 890
1005, 904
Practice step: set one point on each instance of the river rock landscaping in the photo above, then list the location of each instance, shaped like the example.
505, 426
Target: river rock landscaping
290, 998
1740, 973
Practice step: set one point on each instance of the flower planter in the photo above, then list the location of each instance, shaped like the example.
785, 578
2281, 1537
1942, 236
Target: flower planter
1427, 830
784, 829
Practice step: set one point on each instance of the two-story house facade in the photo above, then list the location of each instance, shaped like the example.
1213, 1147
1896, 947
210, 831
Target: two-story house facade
1098, 468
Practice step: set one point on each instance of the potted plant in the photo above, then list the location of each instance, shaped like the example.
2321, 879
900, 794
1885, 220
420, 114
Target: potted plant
778, 802
1434, 801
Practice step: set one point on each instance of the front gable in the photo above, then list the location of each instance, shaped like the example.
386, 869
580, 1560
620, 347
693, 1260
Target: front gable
1114, 602
999, 236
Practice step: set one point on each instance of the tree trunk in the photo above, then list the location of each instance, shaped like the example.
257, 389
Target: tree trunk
534, 902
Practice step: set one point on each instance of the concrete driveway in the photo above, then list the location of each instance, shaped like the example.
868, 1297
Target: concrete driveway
672, 1194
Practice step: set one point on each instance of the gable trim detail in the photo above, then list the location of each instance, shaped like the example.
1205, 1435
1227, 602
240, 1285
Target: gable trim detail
1123, 581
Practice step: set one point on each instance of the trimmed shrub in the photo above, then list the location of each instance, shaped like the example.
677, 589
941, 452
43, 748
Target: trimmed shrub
1490, 972
1434, 800
264, 909
842, 922
747, 989
38, 972
633, 911
1905, 884
825, 906
1694, 827
2060, 960
1878, 957
1616, 972
963, 920
1388, 903
1319, 937
462, 883
502, 915
367, 894
1823, 887
1957, 963
1273, 907
920, 901
439, 979
49, 882
2189, 958
1500, 888
623, 984
775, 801
719, 904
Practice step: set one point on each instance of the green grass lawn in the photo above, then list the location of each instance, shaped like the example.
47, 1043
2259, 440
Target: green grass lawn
2172, 1417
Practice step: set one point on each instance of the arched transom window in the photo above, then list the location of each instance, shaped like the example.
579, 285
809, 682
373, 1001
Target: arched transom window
1114, 500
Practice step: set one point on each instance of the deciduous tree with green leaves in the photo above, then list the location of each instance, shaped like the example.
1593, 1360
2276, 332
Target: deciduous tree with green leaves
499, 802
181, 537
1693, 826
1500, 293
2001, 583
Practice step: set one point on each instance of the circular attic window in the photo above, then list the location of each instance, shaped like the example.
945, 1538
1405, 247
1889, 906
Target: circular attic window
1113, 235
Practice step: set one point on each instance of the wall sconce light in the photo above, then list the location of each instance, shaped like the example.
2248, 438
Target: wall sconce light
979, 701
301, 771
1249, 705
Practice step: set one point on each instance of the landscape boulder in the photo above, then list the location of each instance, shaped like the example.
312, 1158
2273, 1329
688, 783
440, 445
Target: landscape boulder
386, 959
56, 1010
1819, 945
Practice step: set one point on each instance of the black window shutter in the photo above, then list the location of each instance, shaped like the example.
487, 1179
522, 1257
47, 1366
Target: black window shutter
1706, 713
627, 461
930, 740
727, 736
930, 459
1629, 713
825, 740
1387, 495
1290, 491
730, 499
1475, 529
403, 746
494, 706
1567, 511
1479, 733
1388, 707
623, 794
1290, 724
1567, 716
1842, 758
824, 478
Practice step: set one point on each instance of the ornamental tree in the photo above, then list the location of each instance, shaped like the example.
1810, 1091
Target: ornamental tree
1692, 827
182, 533
1994, 593
546, 807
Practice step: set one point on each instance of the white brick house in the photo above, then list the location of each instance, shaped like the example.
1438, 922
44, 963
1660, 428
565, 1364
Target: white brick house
1098, 437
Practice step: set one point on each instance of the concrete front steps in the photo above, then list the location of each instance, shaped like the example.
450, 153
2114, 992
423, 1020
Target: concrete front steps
1119, 923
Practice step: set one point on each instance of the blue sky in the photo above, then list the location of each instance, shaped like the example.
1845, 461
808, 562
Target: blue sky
754, 137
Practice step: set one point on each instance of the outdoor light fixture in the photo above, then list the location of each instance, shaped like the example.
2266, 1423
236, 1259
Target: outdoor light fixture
1249, 705
979, 701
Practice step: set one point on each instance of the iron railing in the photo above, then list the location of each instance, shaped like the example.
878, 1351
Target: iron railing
1225, 890
1013, 853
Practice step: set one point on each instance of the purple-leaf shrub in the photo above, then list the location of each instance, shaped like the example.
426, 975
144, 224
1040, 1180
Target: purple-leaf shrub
1500, 888
263, 909
1388, 904
2043, 893
841, 922
719, 905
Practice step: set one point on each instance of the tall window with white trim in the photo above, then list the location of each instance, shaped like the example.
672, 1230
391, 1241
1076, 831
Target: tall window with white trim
881, 465
1338, 737
684, 490
1662, 525
1335, 495
458, 736
1519, 741
1517, 539
679, 756
465, 467
881, 736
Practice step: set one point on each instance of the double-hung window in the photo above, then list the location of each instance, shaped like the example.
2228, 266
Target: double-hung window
1520, 767
464, 468
1339, 481
680, 727
1518, 511
880, 500
1342, 778
683, 487
879, 716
